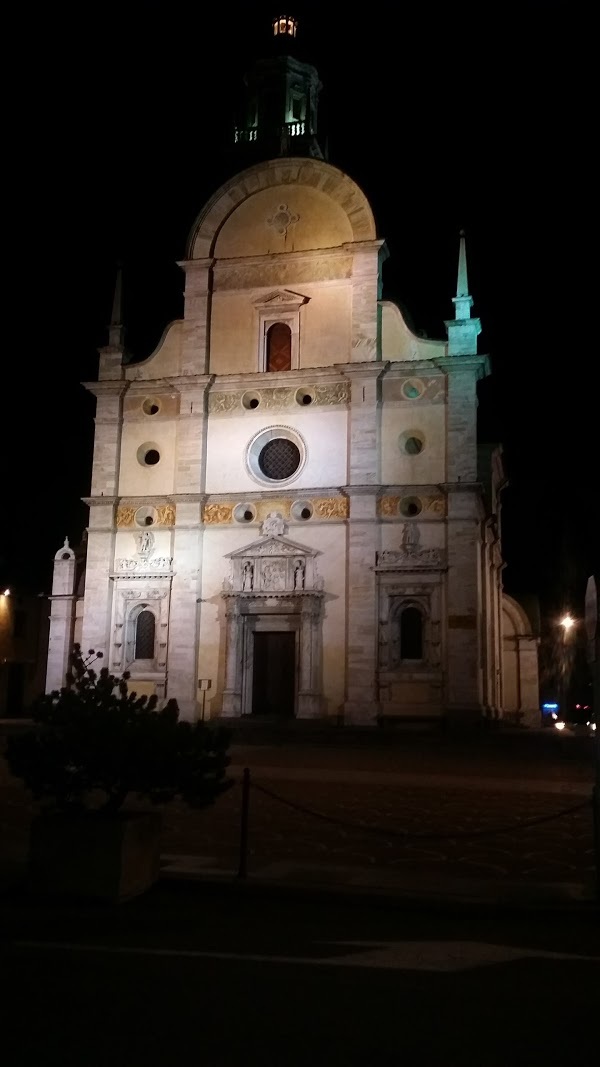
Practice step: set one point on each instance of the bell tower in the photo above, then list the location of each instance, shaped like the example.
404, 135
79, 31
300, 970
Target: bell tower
279, 117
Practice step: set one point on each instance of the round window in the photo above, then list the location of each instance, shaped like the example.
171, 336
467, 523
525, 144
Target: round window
412, 442
151, 405
148, 454
146, 516
279, 459
276, 455
302, 510
410, 506
304, 397
412, 388
244, 512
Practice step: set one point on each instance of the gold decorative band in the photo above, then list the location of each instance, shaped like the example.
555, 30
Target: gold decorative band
165, 515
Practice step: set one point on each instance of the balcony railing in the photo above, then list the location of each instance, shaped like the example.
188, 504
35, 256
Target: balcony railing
289, 129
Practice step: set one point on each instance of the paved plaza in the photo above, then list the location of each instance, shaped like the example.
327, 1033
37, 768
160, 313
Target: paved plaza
504, 816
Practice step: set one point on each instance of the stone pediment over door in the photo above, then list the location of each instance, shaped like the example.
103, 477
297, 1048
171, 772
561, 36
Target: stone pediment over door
273, 564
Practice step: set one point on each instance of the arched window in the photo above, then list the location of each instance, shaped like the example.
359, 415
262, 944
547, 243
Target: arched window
411, 634
145, 632
279, 347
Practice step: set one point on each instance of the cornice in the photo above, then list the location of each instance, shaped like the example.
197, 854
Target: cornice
107, 387
401, 368
142, 386
367, 369
269, 594
146, 498
458, 364
185, 382
266, 494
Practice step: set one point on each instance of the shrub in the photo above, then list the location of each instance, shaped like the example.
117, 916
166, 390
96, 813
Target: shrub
93, 743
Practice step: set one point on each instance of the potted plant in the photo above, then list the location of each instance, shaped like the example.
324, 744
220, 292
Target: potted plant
92, 745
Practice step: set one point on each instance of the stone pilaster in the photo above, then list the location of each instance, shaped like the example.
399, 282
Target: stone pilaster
198, 275
232, 694
488, 626
185, 603
190, 463
365, 296
184, 622
361, 705
464, 691
364, 415
97, 603
309, 694
497, 568
364, 451
461, 445
107, 436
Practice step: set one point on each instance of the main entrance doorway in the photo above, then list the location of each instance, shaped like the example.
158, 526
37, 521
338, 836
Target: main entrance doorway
273, 673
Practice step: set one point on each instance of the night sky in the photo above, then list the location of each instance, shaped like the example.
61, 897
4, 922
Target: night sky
471, 116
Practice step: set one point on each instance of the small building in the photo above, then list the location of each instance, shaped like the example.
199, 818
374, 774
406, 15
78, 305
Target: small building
23, 650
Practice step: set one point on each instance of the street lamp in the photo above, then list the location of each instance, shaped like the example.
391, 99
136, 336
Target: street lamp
592, 625
567, 622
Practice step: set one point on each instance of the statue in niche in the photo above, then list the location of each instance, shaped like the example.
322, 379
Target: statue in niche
248, 577
273, 526
299, 574
410, 538
145, 543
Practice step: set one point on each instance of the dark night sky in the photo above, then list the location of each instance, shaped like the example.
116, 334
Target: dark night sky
465, 115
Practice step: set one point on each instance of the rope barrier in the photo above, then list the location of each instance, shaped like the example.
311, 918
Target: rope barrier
420, 835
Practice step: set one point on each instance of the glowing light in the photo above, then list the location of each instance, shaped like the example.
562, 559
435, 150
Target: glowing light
6, 592
567, 622
559, 725
550, 707
285, 24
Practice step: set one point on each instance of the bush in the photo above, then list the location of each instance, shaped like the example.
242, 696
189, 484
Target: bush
94, 743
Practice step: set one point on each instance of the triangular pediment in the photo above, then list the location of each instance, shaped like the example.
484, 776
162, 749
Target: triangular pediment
273, 546
281, 299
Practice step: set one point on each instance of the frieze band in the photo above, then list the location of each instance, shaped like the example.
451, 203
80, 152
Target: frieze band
218, 514
165, 515
280, 397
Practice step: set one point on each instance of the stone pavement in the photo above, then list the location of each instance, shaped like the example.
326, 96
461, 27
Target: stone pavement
505, 818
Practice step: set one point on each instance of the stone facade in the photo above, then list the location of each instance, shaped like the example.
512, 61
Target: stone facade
325, 511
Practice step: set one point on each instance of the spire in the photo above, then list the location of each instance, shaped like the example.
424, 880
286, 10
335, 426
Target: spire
115, 330
462, 330
462, 285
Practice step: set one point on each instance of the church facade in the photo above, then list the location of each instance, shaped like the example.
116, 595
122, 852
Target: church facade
289, 512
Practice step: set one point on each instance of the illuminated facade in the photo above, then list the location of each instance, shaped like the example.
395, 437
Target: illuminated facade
287, 516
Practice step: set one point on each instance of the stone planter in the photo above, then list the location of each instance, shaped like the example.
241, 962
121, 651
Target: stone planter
94, 856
